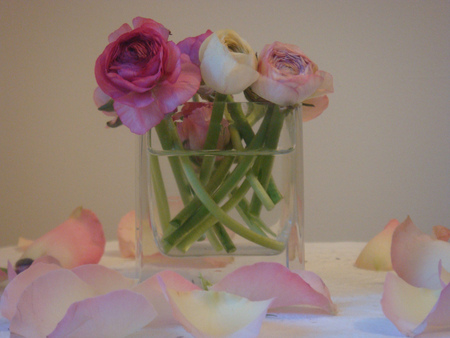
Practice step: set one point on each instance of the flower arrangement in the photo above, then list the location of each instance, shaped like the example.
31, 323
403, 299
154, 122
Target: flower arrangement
186, 93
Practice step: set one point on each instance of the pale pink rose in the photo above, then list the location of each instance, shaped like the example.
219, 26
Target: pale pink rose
191, 46
77, 241
193, 123
288, 77
145, 74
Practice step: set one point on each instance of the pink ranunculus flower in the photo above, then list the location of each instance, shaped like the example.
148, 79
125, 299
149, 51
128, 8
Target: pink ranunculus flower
193, 123
145, 74
288, 77
190, 46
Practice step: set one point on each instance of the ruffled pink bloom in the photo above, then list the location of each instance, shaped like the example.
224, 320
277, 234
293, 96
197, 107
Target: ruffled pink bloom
79, 240
288, 77
145, 74
190, 46
193, 123
417, 298
376, 255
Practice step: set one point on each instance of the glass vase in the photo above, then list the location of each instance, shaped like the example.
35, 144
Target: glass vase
205, 211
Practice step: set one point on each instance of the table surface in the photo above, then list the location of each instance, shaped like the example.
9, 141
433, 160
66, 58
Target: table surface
357, 294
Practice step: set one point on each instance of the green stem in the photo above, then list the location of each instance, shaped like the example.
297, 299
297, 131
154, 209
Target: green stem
160, 192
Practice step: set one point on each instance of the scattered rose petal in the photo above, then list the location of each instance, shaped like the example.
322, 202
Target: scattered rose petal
415, 256
216, 314
13, 291
24, 243
126, 234
261, 281
45, 301
442, 233
11, 271
415, 310
116, 314
89, 300
152, 290
376, 255
79, 240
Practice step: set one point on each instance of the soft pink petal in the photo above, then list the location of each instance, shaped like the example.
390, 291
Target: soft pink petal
45, 301
319, 105
11, 272
442, 233
262, 281
216, 314
47, 259
126, 234
376, 255
415, 256
13, 291
415, 310
125, 28
79, 240
139, 120
24, 243
151, 290
103, 279
116, 314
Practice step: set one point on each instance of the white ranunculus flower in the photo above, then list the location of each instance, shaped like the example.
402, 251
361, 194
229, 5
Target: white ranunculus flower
228, 63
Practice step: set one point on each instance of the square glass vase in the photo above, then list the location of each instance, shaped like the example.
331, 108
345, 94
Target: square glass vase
206, 212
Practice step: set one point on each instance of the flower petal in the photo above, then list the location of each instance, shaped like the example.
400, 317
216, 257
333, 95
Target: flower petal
126, 235
415, 256
216, 314
152, 291
319, 105
102, 279
45, 301
376, 255
13, 291
79, 240
415, 310
116, 314
442, 233
264, 280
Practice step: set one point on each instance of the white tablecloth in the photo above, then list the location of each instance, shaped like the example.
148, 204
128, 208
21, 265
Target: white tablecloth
356, 293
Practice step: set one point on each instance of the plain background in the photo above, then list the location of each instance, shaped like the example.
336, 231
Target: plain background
380, 151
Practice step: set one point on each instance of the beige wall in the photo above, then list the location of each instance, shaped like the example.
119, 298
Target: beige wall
380, 151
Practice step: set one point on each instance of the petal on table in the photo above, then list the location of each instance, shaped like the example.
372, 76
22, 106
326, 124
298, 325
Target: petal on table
15, 288
102, 279
152, 291
126, 234
79, 240
415, 256
376, 255
116, 314
45, 301
414, 310
442, 233
272, 280
217, 314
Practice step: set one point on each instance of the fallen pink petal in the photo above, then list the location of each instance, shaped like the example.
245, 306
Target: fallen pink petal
216, 314
442, 233
263, 281
376, 255
79, 240
415, 256
415, 310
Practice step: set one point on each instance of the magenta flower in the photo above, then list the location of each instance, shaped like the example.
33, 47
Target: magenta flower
145, 74
191, 46
193, 123
288, 77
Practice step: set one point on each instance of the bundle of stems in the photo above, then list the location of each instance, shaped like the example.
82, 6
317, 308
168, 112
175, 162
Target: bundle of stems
221, 180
